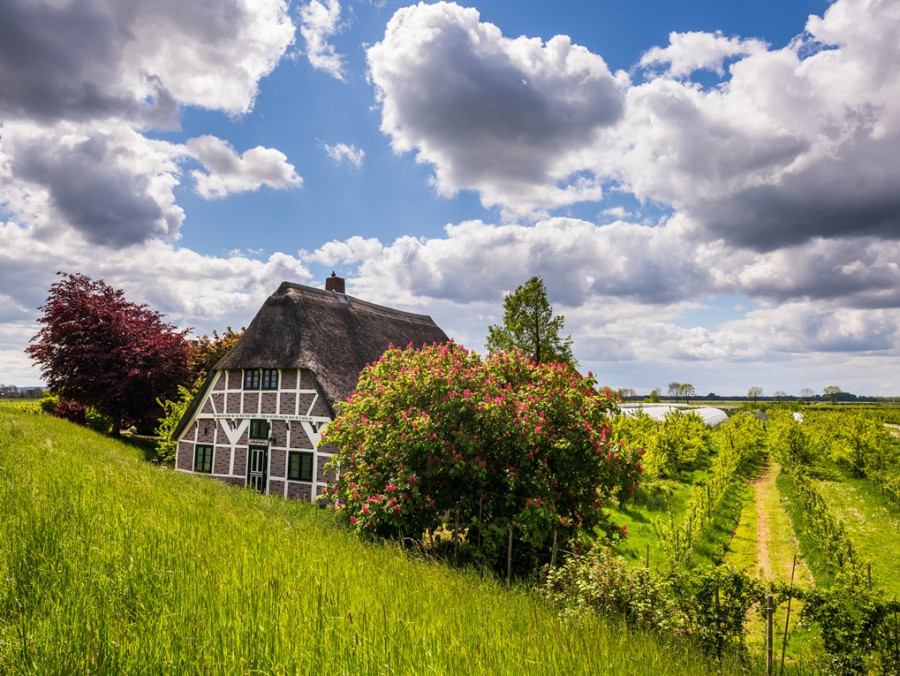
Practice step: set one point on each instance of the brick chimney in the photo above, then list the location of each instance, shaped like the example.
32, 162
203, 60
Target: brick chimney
335, 283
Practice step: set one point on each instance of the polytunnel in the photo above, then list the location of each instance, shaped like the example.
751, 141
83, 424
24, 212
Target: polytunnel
711, 416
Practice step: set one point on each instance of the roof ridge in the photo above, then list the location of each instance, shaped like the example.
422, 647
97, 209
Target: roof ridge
333, 294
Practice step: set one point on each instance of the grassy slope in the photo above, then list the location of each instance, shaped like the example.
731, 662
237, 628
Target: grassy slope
112, 565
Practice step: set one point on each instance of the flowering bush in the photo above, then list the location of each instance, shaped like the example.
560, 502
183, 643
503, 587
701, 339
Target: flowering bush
440, 434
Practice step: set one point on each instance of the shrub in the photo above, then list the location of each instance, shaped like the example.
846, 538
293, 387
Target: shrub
495, 443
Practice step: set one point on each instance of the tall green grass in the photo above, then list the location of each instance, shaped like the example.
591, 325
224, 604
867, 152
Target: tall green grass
112, 565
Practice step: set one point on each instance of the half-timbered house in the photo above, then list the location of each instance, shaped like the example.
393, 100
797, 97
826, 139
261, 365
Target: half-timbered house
259, 417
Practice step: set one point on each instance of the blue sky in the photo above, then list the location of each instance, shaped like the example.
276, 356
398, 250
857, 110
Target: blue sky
709, 190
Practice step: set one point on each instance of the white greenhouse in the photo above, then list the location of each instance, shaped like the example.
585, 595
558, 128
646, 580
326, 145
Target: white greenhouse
711, 416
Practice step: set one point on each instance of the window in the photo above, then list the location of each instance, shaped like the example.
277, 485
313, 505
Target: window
203, 459
270, 379
259, 429
300, 466
251, 379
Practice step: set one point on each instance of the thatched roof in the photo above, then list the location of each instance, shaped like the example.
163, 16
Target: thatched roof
333, 335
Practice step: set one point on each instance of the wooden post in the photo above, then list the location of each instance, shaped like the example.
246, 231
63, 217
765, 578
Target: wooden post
869, 573
708, 502
718, 625
553, 554
896, 633
788, 616
770, 611
648, 557
509, 557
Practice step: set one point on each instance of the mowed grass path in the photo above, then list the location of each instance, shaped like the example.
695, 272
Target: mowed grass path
110, 565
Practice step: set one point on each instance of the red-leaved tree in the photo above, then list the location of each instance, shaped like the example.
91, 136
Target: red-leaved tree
440, 436
100, 350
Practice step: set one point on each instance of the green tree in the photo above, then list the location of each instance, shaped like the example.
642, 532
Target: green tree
860, 443
173, 410
754, 393
441, 437
530, 327
208, 350
790, 439
687, 391
833, 392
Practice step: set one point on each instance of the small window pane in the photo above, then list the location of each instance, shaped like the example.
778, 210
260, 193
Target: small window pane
251, 379
259, 429
300, 466
203, 459
270, 379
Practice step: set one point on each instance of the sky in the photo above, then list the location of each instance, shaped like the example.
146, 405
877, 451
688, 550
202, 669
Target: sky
709, 190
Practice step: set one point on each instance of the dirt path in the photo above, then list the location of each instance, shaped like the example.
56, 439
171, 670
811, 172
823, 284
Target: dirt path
775, 540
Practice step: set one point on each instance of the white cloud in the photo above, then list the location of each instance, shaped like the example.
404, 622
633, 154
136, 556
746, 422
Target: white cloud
112, 185
84, 81
229, 172
340, 152
510, 118
796, 143
126, 58
192, 290
692, 51
354, 250
320, 22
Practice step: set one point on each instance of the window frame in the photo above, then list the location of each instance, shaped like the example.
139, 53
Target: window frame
251, 379
255, 425
203, 463
298, 474
266, 379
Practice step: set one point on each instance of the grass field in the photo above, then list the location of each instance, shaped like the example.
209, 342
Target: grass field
872, 521
113, 565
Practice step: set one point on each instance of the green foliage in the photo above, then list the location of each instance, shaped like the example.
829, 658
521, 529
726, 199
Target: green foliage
607, 585
739, 442
861, 442
492, 443
710, 605
96, 421
49, 403
790, 440
832, 393
855, 624
173, 411
206, 351
530, 327
679, 442
822, 526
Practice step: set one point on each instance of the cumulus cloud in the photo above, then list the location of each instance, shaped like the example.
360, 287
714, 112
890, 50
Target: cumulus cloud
629, 293
112, 186
793, 144
800, 143
320, 22
692, 51
193, 290
81, 84
341, 152
94, 59
509, 118
354, 250
228, 172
